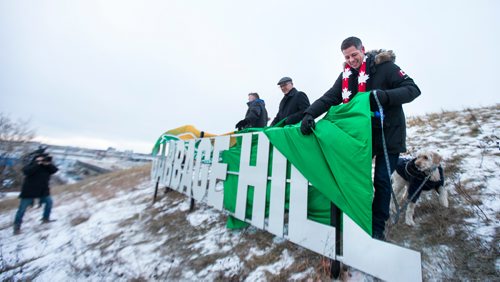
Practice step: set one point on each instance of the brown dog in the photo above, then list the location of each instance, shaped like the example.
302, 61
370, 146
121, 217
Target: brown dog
409, 177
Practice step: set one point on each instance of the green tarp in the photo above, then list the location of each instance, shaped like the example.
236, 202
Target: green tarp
335, 159
319, 205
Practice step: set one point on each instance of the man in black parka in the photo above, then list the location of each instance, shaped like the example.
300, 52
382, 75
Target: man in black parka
36, 185
256, 115
292, 105
373, 71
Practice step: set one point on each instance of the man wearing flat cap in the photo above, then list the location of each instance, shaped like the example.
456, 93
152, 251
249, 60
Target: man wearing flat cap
292, 105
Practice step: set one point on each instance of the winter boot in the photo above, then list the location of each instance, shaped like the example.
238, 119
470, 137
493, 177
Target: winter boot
17, 229
46, 220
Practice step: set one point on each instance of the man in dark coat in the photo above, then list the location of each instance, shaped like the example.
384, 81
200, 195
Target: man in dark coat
36, 185
373, 71
292, 105
256, 115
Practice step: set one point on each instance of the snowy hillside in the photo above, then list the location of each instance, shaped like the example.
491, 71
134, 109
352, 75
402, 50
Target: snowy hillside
108, 229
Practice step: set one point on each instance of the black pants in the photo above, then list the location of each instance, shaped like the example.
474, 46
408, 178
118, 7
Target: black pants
382, 198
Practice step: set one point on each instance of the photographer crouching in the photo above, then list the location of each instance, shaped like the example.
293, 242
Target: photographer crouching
36, 185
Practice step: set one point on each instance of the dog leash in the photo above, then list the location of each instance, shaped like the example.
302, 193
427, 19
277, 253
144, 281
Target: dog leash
384, 146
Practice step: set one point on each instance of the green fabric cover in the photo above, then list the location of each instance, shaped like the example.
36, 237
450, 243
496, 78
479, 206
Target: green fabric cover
335, 159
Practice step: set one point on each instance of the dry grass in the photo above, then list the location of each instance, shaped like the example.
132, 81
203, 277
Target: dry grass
415, 121
79, 220
8, 204
105, 242
447, 116
434, 117
453, 165
475, 130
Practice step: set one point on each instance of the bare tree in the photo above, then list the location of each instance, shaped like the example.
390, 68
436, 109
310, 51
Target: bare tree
15, 138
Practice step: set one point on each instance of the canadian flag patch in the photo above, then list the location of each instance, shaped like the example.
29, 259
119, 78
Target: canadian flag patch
402, 73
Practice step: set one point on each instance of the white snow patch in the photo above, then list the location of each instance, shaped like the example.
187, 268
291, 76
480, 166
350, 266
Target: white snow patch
195, 219
303, 275
439, 263
230, 266
212, 241
275, 268
254, 252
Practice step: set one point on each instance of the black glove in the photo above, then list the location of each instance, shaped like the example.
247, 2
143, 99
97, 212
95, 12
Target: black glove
307, 125
382, 97
241, 124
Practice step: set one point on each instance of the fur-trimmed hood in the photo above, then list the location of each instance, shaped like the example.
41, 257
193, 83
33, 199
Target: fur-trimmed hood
382, 56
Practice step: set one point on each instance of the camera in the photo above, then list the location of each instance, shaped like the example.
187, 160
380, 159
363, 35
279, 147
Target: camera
47, 158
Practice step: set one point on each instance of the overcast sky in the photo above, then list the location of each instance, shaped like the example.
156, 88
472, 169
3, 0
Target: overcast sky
120, 73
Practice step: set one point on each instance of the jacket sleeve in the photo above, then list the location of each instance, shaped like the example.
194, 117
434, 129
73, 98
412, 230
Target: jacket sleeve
31, 168
253, 114
331, 97
51, 168
302, 105
275, 121
402, 88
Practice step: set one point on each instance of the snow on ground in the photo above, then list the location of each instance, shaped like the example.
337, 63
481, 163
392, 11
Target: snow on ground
9, 195
259, 273
58, 248
96, 240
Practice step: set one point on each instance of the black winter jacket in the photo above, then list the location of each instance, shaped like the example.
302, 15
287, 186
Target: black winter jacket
36, 181
292, 107
256, 115
399, 88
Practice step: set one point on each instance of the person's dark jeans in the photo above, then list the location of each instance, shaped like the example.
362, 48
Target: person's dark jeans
48, 207
26, 202
382, 198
